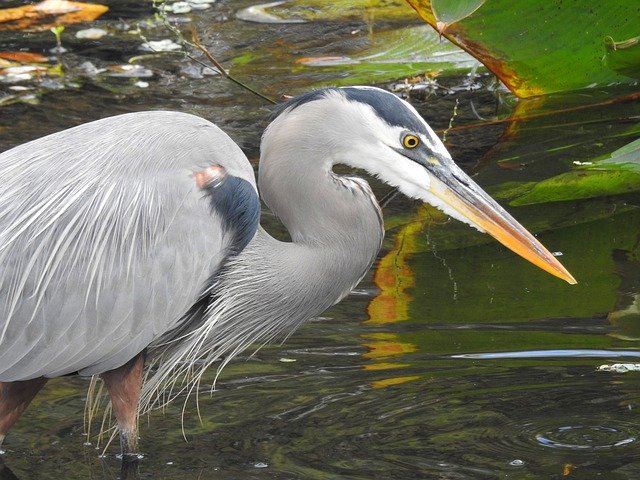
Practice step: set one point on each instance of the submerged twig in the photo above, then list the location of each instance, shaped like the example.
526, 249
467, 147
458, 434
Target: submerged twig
386, 200
475, 112
453, 116
196, 44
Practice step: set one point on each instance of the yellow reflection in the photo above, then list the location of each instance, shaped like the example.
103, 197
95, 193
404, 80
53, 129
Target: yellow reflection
567, 469
384, 366
388, 349
393, 275
388, 382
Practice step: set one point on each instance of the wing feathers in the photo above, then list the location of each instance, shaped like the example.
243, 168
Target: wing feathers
105, 240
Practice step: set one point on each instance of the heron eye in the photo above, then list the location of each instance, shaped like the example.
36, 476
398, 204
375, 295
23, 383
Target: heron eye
410, 141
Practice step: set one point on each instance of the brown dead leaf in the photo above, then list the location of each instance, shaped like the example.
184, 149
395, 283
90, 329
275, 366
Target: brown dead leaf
568, 469
49, 13
24, 57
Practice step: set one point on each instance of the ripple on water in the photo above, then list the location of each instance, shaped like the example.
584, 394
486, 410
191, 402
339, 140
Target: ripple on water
541, 445
586, 437
514, 439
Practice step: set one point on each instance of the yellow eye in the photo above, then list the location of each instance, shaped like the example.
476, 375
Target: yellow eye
410, 141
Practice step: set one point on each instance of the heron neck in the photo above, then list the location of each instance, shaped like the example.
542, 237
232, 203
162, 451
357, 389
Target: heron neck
271, 287
336, 230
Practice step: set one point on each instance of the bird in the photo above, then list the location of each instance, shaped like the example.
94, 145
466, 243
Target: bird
131, 247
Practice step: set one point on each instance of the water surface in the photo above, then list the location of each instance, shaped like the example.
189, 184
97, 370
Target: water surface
454, 359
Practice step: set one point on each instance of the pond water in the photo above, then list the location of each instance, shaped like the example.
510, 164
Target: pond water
453, 359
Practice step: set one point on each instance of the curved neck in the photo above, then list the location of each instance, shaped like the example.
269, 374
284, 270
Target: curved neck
334, 221
271, 287
336, 229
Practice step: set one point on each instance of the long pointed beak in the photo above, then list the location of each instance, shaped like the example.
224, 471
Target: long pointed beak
455, 189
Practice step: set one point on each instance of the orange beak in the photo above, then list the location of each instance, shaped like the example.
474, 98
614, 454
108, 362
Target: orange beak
454, 188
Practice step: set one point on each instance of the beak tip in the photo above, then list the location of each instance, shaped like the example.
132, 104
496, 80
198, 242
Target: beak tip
562, 273
482, 212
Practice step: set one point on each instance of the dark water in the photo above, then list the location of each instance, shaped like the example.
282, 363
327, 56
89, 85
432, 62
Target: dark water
454, 359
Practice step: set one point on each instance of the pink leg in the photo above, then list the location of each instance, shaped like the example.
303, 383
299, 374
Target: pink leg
14, 399
124, 385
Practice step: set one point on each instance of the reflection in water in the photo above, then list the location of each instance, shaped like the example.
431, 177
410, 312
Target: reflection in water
550, 354
505, 366
626, 314
586, 437
5, 472
523, 382
481, 369
393, 277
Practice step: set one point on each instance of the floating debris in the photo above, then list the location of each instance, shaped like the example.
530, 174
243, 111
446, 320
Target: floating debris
166, 45
89, 69
186, 7
427, 83
129, 71
27, 57
178, 7
620, 367
91, 34
21, 73
259, 14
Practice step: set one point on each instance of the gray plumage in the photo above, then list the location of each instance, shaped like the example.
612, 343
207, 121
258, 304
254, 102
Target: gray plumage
106, 241
109, 247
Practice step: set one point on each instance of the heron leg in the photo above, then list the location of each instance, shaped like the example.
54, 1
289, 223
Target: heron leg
14, 399
124, 385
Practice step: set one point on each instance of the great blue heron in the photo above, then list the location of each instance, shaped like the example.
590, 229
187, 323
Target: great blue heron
136, 237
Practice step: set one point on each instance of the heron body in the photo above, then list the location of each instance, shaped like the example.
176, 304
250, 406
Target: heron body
136, 237
90, 271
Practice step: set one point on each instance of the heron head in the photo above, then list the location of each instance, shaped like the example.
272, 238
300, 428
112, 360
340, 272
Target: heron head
372, 129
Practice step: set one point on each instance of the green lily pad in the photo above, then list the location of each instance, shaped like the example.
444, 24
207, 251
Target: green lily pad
624, 56
580, 184
539, 46
450, 11
611, 174
625, 158
390, 54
